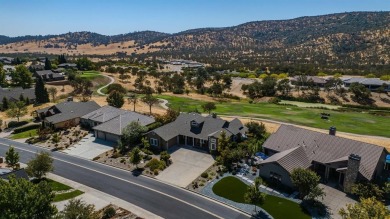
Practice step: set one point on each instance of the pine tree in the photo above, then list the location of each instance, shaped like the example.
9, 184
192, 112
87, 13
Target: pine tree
41, 94
47, 64
5, 103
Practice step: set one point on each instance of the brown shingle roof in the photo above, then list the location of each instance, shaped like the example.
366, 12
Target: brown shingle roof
290, 159
324, 148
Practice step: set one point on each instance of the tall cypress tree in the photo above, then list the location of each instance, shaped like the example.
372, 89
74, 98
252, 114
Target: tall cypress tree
4, 104
47, 64
41, 94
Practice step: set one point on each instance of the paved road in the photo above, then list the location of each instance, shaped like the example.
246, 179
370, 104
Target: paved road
99, 91
159, 198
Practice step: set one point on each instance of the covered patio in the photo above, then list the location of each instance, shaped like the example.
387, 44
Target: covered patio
183, 140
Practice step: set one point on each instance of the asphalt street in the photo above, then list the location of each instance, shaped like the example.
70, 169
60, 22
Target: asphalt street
159, 198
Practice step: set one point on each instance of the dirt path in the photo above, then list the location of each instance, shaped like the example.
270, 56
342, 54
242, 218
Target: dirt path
112, 80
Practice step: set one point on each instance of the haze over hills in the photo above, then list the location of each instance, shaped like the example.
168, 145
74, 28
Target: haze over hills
345, 40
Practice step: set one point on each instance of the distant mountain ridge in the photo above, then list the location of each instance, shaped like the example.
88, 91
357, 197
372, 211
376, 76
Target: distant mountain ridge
344, 39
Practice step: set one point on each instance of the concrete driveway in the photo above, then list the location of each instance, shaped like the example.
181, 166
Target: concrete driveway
187, 165
335, 200
89, 147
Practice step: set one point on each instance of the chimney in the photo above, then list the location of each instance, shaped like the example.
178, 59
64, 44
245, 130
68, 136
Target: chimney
352, 172
70, 99
332, 130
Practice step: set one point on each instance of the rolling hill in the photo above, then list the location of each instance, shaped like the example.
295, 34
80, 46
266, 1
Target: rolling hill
344, 40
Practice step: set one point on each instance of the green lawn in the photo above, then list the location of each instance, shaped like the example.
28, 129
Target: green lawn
26, 134
234, 189
66, 196
90, 74
352, 122
57, 187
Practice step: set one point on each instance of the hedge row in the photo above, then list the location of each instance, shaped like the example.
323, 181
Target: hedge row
26, 128
13, 124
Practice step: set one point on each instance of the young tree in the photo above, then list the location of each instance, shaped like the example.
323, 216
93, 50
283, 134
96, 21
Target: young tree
257, 130
41, 94
133, 99
367, 208
253, 195
150, 100
284, 87
20, 198
132, 133
40, 165
164, 156
76, 208
115, 99
208, 107
12, 157
47, 64
4, 104
17, 110
223, 142
53, 93
135, 156
307, 183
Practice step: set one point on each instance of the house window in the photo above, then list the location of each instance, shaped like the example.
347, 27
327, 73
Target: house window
193, 123
153, 142
213, 144
275, 176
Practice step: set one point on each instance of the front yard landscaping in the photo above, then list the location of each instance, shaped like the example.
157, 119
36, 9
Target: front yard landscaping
26, 134
62, 191
234, 189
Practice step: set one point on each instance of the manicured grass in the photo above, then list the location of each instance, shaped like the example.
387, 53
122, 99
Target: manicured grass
66, 196
90, 74
352, 122
57, 186
234, 189
26, 134
302, 104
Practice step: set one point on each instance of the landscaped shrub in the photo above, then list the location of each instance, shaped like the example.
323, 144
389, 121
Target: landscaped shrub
155, 172
204, 175
32, 140
155, 164
109, 213
26, 128
14, 124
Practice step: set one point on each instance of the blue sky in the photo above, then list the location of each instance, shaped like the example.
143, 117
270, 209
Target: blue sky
34, 17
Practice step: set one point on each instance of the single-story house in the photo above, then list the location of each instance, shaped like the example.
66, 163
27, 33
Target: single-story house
6, 60
65, 114
304, 80
340, 160
49, 75
13, 94
108, 122
193, 129
67, 65
370, 83
19, 174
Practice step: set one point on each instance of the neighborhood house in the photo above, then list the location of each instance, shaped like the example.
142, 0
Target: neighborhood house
336, 159
14, 94
108, 122
49, 75
192, 129
65, 114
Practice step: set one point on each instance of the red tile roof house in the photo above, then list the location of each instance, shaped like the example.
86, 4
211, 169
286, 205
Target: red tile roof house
195, 130
336, 159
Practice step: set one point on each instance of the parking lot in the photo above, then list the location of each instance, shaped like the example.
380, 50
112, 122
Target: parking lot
89, 147
187, 165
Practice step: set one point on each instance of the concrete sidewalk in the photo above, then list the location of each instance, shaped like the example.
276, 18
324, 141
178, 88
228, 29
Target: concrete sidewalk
99, 199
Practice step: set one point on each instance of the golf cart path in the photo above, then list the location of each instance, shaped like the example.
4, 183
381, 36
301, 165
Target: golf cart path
112, 80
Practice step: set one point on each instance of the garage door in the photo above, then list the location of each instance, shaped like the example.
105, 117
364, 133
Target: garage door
100, 135
111, 137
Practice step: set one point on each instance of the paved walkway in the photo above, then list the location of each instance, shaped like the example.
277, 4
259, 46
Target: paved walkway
99, 199
112, 80
163, 103
89, 147
187, 165
335, 200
